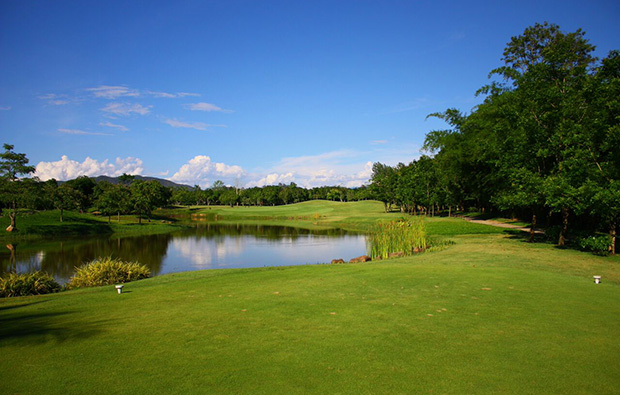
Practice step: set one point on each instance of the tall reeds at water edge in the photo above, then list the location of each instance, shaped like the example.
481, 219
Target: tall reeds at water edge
406, 235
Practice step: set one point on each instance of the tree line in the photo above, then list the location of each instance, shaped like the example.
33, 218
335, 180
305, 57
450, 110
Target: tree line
544, 144
131, 196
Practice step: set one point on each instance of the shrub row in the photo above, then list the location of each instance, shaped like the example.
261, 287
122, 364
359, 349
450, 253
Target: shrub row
36, 283
101, 271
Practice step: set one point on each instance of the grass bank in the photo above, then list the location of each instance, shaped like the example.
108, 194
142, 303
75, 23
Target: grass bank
32, 225
489, 314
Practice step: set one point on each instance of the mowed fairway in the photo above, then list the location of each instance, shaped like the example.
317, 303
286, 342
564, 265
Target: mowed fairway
489, 314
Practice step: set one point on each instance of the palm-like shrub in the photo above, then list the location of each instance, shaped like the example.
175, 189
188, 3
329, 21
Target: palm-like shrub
107, 271
36, 283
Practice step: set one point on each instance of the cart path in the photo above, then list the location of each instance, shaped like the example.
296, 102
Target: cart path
491, 222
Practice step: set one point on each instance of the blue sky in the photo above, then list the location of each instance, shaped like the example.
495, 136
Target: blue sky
252, 92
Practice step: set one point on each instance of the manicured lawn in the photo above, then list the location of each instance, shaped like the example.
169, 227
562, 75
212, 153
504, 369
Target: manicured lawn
488, 314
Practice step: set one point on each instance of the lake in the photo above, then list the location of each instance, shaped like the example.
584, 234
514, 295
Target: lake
205, 246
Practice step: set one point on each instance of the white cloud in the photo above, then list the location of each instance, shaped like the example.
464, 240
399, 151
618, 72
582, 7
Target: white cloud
185, 94
113, 92
126, 109
208, 107
82, 132
343, 167
67, 169
274, 179
54, 99
202, 171
7, 108
190, 125
112, 125
167, 95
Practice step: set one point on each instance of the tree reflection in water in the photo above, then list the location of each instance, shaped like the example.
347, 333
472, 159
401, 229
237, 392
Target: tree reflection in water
204, 246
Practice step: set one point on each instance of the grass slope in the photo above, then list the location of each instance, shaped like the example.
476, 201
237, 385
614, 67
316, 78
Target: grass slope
489, 314
47, 223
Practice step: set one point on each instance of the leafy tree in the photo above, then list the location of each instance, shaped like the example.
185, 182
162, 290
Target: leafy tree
146, 196
12, 165
112, 199
229, 197
65, 197
383, 184
86, 186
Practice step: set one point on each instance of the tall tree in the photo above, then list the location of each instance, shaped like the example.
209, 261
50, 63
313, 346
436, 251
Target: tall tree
12, 165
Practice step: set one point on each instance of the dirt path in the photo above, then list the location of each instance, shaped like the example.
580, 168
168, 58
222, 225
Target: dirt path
501, 225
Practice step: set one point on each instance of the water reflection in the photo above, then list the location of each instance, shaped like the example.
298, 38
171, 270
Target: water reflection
205, 246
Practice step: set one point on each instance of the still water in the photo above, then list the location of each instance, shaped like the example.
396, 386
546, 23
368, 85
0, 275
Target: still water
208, 246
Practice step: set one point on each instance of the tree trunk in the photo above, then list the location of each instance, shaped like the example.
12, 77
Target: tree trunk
449, 211
562, 240
532, 228
13, 226
612, 233
13, 259
61, 212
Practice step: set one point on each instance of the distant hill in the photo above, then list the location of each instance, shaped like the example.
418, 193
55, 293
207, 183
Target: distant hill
166, 183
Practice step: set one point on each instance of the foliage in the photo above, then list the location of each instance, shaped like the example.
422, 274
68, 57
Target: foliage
402, 236
597, 244
543, 144
13, 191
34, 283
107, 271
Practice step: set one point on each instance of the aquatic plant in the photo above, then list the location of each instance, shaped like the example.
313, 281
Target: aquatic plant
406, 235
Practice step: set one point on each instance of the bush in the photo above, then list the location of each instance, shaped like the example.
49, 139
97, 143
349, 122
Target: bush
36, 283
107, 271
596, 244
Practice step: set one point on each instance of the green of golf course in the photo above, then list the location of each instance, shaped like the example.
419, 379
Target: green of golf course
486, 313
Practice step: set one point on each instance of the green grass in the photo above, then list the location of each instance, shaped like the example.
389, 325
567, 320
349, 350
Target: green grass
47, 223
489, 314
315, 214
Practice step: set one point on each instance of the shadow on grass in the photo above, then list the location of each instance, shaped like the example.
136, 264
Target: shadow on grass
70, 229
524, 237
28, 327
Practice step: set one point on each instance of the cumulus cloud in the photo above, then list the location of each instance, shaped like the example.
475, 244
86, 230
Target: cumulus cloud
208, 107
190, 125
274, 179
202, 171
112, 125
125, 109
67, 169
82, 132
342, 167
113, 92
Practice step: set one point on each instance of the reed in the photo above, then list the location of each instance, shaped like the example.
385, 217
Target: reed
406, 236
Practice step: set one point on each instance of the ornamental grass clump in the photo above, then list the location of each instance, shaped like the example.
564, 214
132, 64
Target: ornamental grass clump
405, 236
107, 271
36, 283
